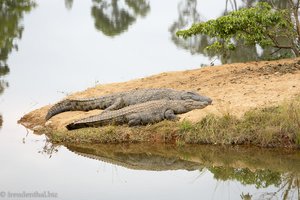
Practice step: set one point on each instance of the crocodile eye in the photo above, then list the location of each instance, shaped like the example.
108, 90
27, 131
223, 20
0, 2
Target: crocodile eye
191, 93
188, 95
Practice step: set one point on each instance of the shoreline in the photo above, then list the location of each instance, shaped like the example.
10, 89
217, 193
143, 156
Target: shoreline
256, 89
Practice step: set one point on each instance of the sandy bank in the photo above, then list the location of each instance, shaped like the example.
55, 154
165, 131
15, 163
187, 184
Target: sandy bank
235, 88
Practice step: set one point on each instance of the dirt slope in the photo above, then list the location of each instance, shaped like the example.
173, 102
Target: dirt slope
234, 88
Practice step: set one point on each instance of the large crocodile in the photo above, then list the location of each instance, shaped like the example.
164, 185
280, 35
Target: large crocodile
122, 99
140, 114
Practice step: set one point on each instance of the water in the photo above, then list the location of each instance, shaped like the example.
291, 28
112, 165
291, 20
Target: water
58, 47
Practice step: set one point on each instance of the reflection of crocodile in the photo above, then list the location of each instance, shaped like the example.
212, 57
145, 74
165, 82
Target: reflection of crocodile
122, 99
134, 160
189, 157
257, 167
140, 114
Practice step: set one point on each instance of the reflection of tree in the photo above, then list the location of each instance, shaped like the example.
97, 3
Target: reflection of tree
69, 4
1, 121
112, 17
260, 178
289, 188
275, 3
232, 3
188, 15
11, 14
3, 84
287, 183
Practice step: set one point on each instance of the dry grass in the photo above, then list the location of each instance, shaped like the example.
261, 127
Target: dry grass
268, 127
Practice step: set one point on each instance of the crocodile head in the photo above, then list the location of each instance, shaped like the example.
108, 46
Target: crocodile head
195, 96
190, 104
183, 106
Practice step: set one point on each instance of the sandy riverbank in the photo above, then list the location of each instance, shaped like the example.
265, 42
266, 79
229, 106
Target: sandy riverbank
234, 88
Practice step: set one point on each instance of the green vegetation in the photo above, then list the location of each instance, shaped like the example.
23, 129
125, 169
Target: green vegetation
277, 126
261, 24
189, 14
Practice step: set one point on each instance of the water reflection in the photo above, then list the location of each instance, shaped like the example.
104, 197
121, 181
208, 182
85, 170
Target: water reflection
113, 17
11, 28
262, 168
232, 3
4, 70
188, 15
69, 4
49, 149
275, 3
136, 156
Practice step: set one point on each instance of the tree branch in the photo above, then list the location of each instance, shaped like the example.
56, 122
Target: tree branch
294, 11
283, 47
275, 51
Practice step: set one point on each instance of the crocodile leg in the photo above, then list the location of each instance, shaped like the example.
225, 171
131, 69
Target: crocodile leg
144, 118
119, 103
134, 120
170, 115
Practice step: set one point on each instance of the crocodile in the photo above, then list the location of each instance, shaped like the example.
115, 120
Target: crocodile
122, 99
140, 114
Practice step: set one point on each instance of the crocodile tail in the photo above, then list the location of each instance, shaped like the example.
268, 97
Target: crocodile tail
63, 106
76, 104
74, 125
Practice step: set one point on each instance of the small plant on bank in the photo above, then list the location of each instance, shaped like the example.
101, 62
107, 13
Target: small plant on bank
185, 126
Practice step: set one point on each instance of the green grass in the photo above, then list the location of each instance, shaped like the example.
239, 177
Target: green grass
277, 126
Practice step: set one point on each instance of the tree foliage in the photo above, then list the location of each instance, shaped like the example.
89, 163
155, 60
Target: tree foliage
260, 178
113, 17
11, 28
260, 25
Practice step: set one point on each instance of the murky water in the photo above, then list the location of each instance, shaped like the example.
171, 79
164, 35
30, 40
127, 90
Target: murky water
57, 47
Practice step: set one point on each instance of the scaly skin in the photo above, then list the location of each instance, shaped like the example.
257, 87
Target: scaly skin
140, 114
123, 99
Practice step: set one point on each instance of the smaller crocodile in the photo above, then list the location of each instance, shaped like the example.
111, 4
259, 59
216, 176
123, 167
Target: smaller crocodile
140, 114
122, 99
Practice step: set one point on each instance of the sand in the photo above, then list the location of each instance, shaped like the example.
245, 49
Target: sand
234, 88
